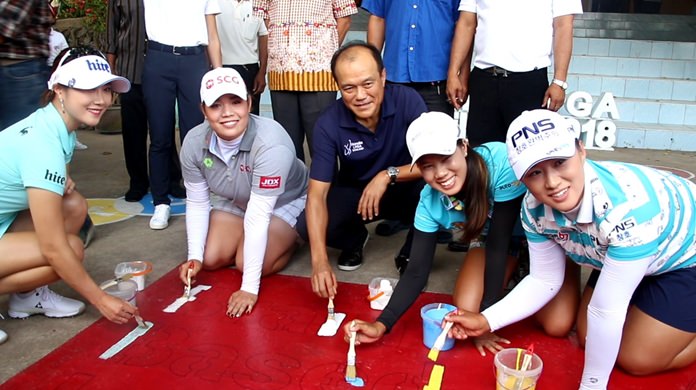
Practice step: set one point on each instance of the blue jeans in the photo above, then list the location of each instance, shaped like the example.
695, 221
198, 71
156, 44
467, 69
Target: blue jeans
21, 86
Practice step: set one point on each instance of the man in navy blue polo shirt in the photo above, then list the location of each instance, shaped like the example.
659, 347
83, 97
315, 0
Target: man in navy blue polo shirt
360, 166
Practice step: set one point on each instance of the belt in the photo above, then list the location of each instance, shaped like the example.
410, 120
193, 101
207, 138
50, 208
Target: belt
498, 71
176, 50
421, 84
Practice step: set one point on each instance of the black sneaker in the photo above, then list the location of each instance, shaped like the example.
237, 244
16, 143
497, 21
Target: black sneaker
135, 195
87, 231
444, 236
351, 259
388, 228
401, 262
458, 246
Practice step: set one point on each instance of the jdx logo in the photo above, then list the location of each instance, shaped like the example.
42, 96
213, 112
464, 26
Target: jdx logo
269, 182
536, 128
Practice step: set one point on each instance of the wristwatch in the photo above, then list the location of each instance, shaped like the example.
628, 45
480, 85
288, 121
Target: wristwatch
392, 172
560, 83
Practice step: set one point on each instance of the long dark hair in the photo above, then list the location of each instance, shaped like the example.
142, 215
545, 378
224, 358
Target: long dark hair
475, 194
66, 55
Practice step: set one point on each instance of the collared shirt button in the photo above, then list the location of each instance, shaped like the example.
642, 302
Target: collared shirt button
415, 6
413, 26
410, 48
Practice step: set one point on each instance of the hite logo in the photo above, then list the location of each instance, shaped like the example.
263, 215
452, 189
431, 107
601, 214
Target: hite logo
269, 182
529, 132
96, 65
54, 177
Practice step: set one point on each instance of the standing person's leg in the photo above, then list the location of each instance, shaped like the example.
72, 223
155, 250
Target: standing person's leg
248, 73
311, 105
521, 92
286, 111
21, 86
485, 117
134, 133
190, 72
159, 91
434, 95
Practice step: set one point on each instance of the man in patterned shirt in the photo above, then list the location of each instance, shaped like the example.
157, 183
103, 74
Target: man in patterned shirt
303, 35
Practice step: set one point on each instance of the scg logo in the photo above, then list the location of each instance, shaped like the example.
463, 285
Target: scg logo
221, 79
538, 127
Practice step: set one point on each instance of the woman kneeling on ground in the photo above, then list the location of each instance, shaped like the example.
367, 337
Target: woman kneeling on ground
634, 225
468, 189
40, 211
248, 162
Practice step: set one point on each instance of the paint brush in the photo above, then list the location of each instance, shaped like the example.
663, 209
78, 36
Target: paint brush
350, 367
330, 310
526, 363
140, 321
187, 289
440, 341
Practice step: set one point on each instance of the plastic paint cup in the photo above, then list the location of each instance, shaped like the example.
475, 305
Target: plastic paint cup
130, 267
385, 286
508, 378
432, 315
125, 290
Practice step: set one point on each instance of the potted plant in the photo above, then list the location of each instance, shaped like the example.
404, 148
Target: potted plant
83, 22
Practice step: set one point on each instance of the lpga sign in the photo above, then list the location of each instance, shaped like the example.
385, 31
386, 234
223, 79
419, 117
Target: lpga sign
596, 121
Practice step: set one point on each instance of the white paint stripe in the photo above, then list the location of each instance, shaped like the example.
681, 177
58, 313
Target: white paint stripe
126, 340
174, 306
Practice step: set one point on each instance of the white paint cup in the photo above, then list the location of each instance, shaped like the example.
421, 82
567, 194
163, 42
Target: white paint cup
125, 290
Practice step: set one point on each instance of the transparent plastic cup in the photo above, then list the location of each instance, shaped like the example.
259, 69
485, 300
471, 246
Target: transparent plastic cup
381, 290
125, 290
508, 377
432, 315
131, 267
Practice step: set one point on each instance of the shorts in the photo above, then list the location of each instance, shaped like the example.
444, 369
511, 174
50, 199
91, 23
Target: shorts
667, 297
288, 212
5, 225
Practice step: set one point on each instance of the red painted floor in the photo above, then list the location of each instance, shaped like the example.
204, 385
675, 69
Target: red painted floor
276, 347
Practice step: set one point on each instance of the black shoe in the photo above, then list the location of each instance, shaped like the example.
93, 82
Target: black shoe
390, 227
135, 195
178, 192
87, 231
401, 262
444, 237
458, 246
351, 259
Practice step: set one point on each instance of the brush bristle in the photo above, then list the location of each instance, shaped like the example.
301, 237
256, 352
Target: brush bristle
350, 372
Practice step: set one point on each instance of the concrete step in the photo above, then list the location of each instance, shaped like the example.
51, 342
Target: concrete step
655, 136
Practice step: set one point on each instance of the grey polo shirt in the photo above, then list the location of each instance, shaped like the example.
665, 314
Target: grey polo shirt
265, 164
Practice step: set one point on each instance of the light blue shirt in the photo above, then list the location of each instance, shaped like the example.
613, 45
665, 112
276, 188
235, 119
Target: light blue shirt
417, 37
434, 210
33, 153
628, 212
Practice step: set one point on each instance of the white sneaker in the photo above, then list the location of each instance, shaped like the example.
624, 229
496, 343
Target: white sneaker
79, 145
160, 219
3, 337
43, 301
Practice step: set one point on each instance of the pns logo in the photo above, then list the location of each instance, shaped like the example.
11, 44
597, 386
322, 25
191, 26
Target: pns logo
536, 128
269, 182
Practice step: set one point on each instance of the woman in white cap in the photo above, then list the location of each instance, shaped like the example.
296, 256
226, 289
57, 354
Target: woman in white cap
248, 162
469, 189
40, 210
634, 225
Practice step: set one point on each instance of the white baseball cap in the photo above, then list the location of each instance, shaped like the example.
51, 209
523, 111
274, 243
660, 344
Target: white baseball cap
432, 133
537, 136
221, 81
88, 72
